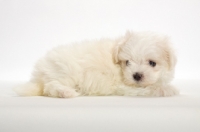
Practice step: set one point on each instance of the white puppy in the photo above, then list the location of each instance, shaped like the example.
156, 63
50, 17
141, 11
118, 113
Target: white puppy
137, 64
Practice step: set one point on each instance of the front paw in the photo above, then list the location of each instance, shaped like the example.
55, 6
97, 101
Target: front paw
164, 91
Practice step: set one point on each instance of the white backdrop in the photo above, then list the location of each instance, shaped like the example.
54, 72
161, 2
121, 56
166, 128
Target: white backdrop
28, 28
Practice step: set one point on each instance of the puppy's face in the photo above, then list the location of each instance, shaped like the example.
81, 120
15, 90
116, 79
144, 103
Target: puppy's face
145, 59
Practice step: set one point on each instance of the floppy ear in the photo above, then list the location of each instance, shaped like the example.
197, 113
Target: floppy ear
117, 47
171, 58
169, 54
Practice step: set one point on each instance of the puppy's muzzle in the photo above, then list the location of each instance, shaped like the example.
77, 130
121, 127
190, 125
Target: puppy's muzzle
137, 76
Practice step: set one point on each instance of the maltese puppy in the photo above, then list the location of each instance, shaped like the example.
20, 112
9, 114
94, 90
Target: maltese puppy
136, 64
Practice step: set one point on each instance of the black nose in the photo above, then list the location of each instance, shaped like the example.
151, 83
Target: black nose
137, 76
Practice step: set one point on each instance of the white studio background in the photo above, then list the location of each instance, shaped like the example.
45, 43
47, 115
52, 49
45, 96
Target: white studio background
28, 28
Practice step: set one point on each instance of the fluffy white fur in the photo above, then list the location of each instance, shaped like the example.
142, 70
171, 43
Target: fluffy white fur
106, 67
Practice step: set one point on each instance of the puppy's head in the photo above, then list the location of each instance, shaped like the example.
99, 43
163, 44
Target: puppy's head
145, 58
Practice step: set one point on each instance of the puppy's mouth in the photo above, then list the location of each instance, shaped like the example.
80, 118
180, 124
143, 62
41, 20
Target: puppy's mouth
139, 84
143, 83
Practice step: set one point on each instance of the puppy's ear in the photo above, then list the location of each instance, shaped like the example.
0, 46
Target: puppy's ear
117, 47
171, 58
169, 53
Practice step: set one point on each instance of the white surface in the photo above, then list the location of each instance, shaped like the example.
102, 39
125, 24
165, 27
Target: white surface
28, 28
102, 114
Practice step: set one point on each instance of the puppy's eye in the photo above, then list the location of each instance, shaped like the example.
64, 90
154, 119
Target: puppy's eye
152, 63
127, 62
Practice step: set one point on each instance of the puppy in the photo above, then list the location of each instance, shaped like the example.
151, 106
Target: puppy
136, 64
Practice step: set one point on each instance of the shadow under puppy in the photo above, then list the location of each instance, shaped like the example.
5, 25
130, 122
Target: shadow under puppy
136, 64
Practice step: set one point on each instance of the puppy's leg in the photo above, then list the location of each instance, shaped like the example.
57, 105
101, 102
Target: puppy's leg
165, 90
56, 89
131, 91
156, 91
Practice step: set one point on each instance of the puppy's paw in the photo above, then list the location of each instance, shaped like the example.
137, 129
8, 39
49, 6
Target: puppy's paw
53, 89
67, 93
164, 91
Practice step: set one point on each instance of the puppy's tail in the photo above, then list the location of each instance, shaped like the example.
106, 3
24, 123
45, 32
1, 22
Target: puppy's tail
29, 89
